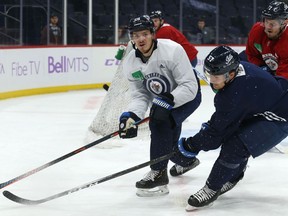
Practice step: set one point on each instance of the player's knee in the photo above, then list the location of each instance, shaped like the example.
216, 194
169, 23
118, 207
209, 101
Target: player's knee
234, 148
229, 164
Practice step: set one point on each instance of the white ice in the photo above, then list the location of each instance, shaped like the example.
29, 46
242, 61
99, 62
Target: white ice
38, 129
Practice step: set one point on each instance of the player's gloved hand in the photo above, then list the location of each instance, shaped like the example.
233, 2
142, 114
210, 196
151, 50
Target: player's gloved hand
162, 106
267, 69
185, 147
205, 126
127, 129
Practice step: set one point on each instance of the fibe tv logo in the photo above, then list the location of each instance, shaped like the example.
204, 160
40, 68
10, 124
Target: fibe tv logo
66, 64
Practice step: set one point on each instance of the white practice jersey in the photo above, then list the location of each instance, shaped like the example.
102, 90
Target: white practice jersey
167, 70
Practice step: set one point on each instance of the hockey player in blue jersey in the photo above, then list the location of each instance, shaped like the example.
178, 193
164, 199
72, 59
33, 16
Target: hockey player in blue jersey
161, 79
250, 118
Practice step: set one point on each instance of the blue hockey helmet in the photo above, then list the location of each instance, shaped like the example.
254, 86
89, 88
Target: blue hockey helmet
141, 23
221, 60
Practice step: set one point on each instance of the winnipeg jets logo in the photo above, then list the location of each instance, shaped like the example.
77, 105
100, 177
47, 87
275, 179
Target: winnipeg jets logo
228, 59
156, 86
156, 83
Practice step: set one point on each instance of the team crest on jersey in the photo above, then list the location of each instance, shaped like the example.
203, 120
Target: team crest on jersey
271, 61
156, 83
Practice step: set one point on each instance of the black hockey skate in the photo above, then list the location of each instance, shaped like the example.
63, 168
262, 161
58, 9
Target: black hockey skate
177, 170
230, 185
204, 197
153, 184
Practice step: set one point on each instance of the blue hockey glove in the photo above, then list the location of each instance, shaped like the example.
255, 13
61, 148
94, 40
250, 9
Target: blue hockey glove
184, 146
267, 69
127, 129
162, 106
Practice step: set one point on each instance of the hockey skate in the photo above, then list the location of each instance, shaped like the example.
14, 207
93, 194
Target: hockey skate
230, 185
177, 170
204, 197
153, 184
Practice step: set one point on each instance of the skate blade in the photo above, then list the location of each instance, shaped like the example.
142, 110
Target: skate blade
190, 208
153, 192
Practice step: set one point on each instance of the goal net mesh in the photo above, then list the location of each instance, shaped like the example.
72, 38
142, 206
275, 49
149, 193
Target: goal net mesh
114, 104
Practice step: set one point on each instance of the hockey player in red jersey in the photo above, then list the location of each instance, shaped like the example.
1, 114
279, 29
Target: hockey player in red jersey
166, 31
268, 40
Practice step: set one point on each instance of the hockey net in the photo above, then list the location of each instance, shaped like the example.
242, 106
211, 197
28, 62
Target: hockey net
114, 104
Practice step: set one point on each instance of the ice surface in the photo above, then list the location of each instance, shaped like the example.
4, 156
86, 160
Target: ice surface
38, 129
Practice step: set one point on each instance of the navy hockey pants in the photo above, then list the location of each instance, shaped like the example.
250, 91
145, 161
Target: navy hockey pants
165, 134
254, 138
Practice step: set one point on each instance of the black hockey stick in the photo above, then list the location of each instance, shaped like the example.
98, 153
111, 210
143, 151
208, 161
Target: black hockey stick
23, 201
31, 172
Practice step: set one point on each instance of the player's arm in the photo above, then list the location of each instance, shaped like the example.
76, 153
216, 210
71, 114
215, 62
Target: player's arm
224, 121
185, 78
253, 55
254, 47
282, 69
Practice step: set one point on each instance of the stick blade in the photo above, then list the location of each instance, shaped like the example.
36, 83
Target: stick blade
20, 200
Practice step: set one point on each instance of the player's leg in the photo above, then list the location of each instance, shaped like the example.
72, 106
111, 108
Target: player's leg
182, 163
156, 181
164, 138
254, 138
228, 168
261, 135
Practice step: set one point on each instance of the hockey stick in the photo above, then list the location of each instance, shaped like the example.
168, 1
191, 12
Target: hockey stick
201, 76
23, 201
31, 172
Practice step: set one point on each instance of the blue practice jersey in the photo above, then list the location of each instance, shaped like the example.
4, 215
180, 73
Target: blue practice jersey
252, 94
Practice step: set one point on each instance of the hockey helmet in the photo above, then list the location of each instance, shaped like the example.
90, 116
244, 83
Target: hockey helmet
156, 14
221, 60
276, 10
141, 23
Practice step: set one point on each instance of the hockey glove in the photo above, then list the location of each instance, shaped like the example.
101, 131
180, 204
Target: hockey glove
185, 147
267, 69
127, 129
162, 106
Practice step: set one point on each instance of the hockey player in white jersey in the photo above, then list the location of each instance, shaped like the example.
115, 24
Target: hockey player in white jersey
161, 79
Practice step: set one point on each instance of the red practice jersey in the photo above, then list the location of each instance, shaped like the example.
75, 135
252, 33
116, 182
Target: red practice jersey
167, 31
262, 51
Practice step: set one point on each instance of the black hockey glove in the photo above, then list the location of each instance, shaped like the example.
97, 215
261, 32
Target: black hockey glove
127, 129
162, 106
